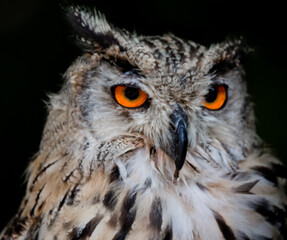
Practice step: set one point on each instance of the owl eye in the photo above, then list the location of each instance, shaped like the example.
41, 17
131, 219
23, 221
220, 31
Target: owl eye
216, 97
129, 97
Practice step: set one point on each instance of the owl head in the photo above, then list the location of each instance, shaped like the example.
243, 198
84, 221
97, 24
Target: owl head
187, 103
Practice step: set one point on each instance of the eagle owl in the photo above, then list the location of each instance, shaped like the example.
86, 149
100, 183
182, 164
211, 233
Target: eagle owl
151, 138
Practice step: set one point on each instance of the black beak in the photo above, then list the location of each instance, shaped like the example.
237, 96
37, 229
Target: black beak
178, 144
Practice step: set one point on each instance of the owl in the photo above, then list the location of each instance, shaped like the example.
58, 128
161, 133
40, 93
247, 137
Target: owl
151, 137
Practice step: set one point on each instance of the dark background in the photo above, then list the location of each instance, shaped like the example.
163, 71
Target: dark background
36, 48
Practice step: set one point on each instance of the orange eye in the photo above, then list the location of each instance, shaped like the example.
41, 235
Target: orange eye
130, 97
216, 97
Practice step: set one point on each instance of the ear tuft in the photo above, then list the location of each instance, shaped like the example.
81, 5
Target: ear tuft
227, 55
92, 31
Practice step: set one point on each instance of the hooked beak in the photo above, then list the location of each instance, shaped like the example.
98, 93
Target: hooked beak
177, 147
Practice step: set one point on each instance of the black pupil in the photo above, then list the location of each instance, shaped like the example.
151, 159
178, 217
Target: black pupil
211, 96
132, 93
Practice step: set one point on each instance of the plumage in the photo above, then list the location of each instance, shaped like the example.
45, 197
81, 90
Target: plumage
171, 168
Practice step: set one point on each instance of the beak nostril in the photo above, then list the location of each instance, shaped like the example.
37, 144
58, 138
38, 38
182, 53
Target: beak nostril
152, 151
172, 127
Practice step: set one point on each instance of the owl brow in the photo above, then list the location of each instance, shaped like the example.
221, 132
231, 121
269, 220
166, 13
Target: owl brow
222, 67
125, 66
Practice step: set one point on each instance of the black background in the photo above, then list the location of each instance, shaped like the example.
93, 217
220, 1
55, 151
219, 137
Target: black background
36, 48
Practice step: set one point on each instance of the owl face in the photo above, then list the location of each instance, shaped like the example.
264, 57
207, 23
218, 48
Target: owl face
176, 95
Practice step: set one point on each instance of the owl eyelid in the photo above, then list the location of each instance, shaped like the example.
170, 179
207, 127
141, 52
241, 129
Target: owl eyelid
130, 85
126, 80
